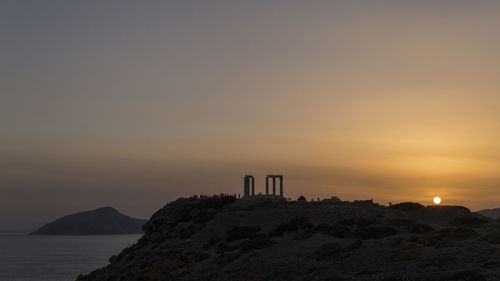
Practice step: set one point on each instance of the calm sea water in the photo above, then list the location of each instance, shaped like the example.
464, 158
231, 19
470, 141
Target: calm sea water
56, 258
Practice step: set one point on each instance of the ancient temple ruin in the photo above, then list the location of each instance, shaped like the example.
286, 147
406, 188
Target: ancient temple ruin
248, 183
249, 187
274, 177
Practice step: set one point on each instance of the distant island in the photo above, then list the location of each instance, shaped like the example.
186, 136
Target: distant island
102, 221
492, 213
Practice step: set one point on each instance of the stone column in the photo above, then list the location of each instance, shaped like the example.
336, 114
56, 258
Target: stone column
253, 186
246, 186
274, 186
281, 186
267, 185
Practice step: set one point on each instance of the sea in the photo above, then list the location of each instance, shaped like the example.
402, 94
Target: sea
26, 257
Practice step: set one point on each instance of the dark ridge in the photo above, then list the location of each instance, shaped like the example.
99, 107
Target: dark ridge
407, 206
220, 238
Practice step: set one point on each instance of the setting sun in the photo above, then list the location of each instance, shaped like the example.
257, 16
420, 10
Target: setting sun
437, 200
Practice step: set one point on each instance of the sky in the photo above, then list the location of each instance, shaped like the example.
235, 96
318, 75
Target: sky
132, 104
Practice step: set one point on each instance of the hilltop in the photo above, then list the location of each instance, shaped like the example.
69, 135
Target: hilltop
222, 238
104, 220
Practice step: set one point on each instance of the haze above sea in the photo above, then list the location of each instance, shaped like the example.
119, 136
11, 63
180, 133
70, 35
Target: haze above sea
56, 258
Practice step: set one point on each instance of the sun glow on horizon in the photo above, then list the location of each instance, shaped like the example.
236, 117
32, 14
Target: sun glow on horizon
437, 200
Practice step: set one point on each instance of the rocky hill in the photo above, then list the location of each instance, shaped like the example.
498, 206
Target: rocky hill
221, 238
99, 221
492, 213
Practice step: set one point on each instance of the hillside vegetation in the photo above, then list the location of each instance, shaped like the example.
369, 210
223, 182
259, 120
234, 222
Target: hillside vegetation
221, 238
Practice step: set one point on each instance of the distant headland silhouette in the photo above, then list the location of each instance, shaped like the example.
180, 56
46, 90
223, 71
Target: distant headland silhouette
101, 221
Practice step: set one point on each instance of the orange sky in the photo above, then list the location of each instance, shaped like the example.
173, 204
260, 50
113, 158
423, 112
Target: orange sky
132, 105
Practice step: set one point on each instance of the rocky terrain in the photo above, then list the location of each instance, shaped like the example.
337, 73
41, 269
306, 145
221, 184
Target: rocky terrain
100, 221
221, 238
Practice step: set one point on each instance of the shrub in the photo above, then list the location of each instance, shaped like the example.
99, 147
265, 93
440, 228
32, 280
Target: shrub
322, 227
470, 221
492, 237
293, 226
376, 232
393, 277
335, 250
257, 242
328, 250
223, 247
197, 256
438, 261
464, 275
491, 264
361, 222
240, 232
204, 216
338, 230
348, 222
216, 202
334, 278
468, 275
186, 232
456, 233
211, 242
354, 245
225, 259
420, 228
411, 226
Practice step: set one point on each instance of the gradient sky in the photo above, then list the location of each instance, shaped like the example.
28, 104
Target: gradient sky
134, 103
